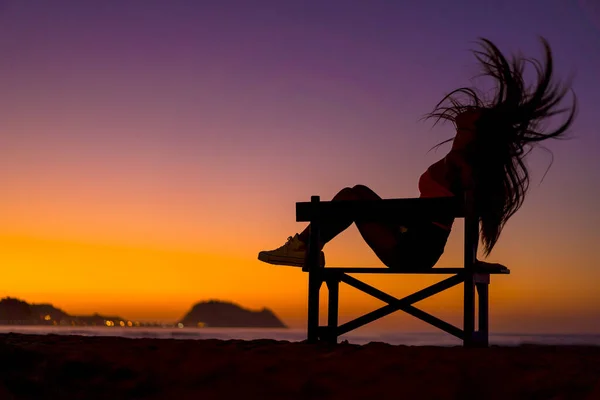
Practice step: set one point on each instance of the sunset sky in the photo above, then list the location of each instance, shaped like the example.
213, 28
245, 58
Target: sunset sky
150, 149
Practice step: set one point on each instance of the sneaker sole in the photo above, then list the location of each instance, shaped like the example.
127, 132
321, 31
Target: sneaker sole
287, 261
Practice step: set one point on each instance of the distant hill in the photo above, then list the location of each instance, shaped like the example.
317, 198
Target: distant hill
18, 312
210, 313
220, 314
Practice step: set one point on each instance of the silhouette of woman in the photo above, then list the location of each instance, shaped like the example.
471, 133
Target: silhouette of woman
487, 156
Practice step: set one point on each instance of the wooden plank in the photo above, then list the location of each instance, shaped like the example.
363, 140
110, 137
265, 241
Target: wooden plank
368, 289
374, 270
412, 298
434, 271
483, 295
435, 321
389, 210
315, 279
394, 304
314, 288
409, 309
333, 286
367, 318
431, 271
471, 241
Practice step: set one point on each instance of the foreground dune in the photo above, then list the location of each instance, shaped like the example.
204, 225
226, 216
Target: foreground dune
76, 367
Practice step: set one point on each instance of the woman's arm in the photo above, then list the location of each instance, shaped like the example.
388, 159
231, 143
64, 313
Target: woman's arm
460, 169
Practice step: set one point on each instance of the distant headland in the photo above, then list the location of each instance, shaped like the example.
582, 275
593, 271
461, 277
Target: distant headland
221, 314
206, 314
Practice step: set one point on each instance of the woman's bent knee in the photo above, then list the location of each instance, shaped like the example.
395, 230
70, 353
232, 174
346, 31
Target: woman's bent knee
365, 192
346, 193
360, 187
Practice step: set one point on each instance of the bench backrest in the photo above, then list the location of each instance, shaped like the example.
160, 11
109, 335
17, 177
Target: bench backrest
398, 211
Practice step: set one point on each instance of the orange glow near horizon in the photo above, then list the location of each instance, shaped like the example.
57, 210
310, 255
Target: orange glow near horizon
149, 152
153, 284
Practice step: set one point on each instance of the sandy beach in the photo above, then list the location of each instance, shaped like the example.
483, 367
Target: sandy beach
77, 367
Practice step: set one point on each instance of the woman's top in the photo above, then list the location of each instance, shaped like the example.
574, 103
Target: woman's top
434, 183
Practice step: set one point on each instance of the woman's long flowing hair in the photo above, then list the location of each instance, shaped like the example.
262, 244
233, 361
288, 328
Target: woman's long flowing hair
511, 123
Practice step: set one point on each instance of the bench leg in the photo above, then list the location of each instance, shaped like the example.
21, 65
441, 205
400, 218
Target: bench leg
483, 331
469, 311
333, 286
479, 337
314, 287
315, 277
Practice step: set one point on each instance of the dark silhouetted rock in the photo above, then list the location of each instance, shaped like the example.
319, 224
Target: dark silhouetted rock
18, 312
219, 314
12, 309
206, 314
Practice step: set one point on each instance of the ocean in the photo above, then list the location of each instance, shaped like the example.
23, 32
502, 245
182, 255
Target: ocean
297, 335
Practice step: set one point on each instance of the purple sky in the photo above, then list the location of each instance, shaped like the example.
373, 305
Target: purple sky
193, 114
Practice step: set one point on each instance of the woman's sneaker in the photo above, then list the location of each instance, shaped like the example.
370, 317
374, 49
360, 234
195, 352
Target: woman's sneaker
293, 253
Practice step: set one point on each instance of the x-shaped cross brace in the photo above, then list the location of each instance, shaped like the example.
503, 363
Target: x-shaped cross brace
332, 278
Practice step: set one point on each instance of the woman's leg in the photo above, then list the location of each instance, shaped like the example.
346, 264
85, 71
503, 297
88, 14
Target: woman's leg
380, 237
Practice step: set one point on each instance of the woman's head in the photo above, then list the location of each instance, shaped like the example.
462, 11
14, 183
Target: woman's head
499, 132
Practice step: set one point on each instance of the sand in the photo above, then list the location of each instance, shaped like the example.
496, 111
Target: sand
77, 367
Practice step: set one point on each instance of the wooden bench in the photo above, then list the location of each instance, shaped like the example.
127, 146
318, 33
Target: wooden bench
400, 211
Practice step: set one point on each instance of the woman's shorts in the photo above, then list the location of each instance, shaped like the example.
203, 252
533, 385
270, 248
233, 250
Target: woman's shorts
418, 247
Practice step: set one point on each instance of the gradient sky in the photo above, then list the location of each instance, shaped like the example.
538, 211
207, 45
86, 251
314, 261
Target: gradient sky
149, 149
